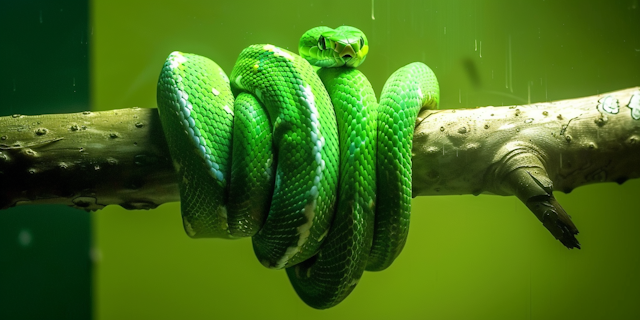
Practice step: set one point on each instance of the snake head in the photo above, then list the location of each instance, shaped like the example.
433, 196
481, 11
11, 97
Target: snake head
326, 47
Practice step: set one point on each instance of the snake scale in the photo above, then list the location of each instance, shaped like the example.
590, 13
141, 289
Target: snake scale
295, 152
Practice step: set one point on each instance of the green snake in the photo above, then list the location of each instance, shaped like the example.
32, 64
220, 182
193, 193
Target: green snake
295, 152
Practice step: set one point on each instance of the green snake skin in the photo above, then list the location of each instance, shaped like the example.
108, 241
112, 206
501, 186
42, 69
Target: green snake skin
278, 162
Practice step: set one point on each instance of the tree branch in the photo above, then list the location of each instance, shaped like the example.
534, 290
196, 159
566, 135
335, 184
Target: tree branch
529, 151
86, 160
92, 159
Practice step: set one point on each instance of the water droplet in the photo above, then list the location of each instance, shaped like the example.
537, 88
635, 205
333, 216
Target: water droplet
372, 6
25, 238
510, 68
41, 131
608, 104
634, 105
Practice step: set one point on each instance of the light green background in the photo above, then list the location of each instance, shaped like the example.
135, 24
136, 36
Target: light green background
467, 257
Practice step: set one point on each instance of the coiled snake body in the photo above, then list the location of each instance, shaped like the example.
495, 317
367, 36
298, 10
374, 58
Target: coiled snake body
277, 163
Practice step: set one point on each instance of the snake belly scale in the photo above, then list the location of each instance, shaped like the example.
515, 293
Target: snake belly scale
293, 159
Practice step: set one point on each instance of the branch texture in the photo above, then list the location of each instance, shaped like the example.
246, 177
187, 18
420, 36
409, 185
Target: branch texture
86, 160
92, 159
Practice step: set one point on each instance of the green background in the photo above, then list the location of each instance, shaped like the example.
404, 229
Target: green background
45, 265
467, 257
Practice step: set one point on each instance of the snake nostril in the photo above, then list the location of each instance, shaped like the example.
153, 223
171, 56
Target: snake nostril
347, 56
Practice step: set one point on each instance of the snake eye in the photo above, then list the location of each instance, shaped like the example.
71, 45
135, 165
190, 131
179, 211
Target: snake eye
322, 43
361, 42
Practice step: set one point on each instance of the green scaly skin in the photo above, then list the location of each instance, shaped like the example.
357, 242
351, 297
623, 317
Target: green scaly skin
306, 139
355, 241
300, 134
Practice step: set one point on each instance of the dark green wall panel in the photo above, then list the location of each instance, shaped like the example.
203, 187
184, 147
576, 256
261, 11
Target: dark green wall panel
45, 266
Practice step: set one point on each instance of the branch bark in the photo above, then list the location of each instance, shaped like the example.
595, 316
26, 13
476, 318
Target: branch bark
92, 159
530, 151
86, 160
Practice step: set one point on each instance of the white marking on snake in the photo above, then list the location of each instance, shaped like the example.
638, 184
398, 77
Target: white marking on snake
222, 211
278, 52
215, 92
176, 59
324, 234
307, 99
239, 82
189, 123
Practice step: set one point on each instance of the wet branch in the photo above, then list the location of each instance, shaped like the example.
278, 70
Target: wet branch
92, 159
